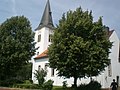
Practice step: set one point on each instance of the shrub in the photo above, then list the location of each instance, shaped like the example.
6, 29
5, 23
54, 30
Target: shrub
27, 82
64, 84
48, 85
26, 86
40, 76
93, 85
82, 87
10, 82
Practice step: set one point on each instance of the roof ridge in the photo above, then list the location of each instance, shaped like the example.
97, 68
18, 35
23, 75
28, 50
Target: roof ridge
42, 55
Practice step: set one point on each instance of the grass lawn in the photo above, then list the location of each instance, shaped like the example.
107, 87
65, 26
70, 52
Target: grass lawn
57, 87
60, 88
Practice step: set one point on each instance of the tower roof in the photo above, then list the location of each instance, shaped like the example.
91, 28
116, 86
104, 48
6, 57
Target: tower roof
46, 20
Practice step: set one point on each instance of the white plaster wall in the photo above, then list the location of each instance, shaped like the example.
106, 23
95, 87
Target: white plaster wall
114, 55
33, 69
104, 78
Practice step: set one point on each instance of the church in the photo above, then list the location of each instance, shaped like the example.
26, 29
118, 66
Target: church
41, 60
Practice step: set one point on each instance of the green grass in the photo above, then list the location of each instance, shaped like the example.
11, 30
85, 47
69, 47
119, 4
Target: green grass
57, 87
60, 88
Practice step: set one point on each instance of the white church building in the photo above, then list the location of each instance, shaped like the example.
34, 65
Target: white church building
43, 39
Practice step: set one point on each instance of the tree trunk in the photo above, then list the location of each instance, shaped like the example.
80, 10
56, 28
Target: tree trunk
90, 78
75, 82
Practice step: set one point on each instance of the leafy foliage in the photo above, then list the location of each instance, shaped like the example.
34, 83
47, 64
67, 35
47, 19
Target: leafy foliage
64, 84
80, 47
39, 75
16, 45
93, 85
48, 85
25, 73
26, 86
9, 82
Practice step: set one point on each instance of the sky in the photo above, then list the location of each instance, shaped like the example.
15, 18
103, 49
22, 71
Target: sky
33, 10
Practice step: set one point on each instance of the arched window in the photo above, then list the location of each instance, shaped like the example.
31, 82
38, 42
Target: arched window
46, 65
39, 67
39, 37
52, 72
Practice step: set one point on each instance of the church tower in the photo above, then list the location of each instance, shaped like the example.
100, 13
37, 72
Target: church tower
44, 30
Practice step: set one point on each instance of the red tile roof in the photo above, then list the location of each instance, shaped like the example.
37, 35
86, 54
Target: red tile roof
42, 55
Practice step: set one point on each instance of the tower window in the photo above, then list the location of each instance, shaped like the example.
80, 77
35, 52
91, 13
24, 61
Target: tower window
46, 65
50, 35
39, 37
39, 67
52, 72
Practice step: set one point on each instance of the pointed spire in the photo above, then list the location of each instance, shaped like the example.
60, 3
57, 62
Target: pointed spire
46, 20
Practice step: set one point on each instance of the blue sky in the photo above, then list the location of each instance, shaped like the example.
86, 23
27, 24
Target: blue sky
33, 10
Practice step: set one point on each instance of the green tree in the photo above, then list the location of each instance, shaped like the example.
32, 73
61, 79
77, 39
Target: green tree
25, 73
80, 47
16, 45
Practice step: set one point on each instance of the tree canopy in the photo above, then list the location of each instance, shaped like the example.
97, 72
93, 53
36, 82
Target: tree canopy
16, 45
80, 46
